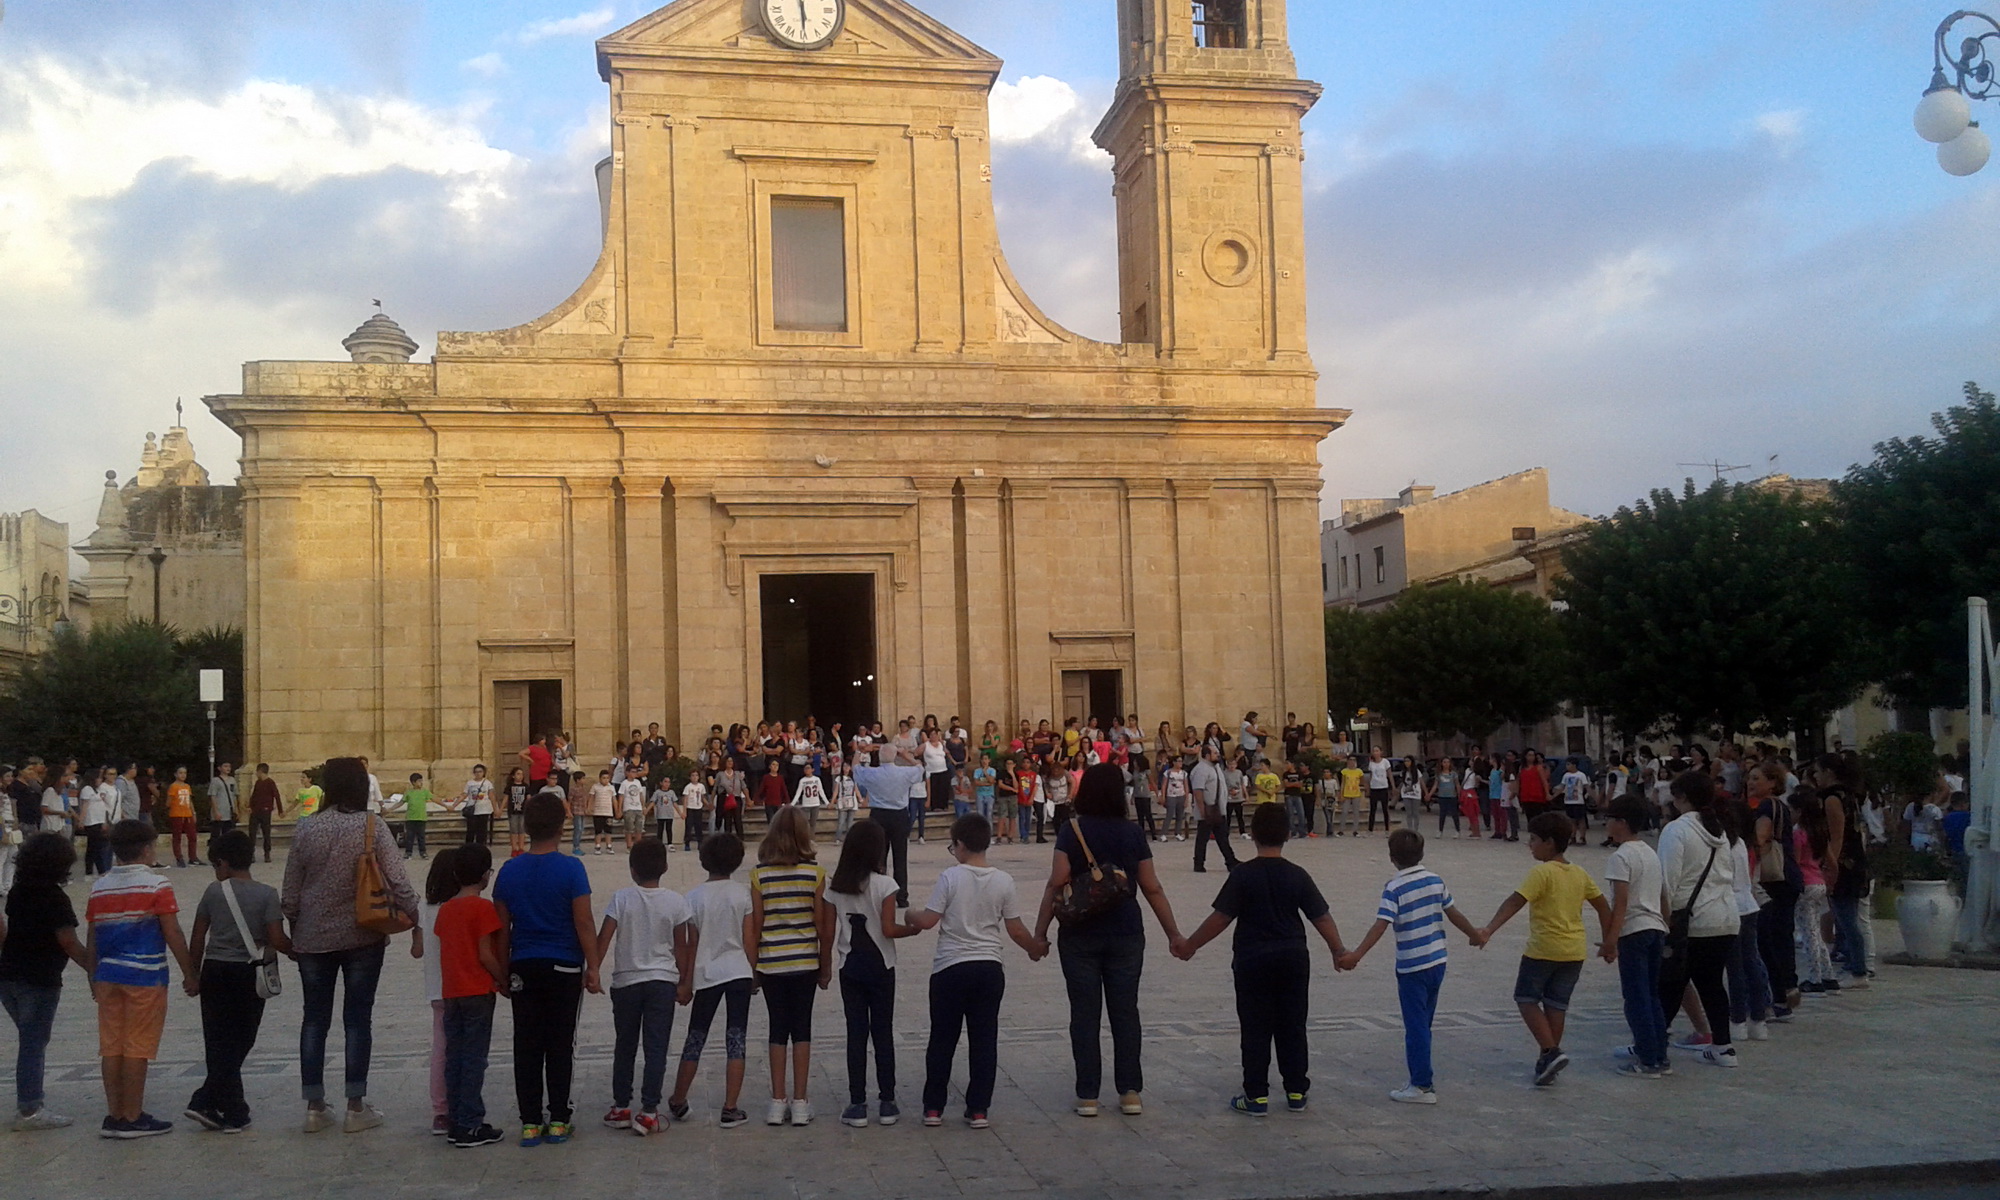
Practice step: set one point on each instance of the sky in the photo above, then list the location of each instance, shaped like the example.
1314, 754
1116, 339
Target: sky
1612, 240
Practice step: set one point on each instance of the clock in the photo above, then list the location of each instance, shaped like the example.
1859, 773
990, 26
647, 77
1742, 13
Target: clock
803, 24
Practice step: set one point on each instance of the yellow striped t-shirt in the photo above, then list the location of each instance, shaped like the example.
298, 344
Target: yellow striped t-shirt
789, 941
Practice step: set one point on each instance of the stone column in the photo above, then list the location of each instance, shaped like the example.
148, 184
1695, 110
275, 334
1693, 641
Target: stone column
713, 683
406, 631
1157, 688
937, 598
986, 573
1029, 581
1302, 629
598, 699
463, 698
1200, 597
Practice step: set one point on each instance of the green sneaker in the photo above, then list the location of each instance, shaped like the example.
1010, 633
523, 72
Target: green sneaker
1260, 1107
557, 1133
1296, 1101
531, 1135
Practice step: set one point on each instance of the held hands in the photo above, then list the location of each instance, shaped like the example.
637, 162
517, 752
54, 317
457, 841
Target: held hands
191, 985
590, 981
825, 976
1479, 937
1179, 948
1608, 951
1347, 961
684, 994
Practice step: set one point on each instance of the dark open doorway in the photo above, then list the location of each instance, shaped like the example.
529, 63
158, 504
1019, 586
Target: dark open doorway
819, 647
1099, 694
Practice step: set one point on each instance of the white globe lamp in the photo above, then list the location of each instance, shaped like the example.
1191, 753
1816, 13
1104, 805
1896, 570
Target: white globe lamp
1943, 113
1966, 153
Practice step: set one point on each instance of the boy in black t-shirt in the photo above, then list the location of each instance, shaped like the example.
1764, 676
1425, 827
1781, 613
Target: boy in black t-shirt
1266, 896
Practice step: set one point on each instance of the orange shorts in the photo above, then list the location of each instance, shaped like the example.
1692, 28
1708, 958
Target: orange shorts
129, 1020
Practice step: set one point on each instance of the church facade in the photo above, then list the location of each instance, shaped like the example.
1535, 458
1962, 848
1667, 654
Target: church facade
800, 443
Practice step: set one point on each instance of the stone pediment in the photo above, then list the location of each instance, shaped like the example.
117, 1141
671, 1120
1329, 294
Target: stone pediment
873, 29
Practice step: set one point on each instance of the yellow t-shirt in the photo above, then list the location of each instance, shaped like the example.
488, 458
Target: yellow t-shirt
1350, 783
308, 799
1556, 893
180, 800
1267, 787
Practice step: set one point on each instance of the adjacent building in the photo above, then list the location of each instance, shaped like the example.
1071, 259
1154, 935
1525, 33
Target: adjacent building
37, 594
168, 545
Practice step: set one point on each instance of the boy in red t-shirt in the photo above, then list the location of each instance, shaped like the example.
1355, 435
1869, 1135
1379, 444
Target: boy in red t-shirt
474, 964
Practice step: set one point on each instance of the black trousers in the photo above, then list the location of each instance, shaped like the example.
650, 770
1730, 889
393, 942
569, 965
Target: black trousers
1378, 801
545, 1011
1703, 963
1774, 938
896, 823
869, 1000
260, 826
231, 1012
479, 828
1271, 1008
965, 997
1218, 831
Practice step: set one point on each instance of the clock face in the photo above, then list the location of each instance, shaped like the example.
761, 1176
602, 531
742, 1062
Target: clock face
803, 24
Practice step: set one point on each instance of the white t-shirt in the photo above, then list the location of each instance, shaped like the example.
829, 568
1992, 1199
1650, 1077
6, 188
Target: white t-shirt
603, 799
374, 794
845, 795
427, 918
479, 796
1574, 788
694, 796
811, 793
1923, 820
1378, 772
719, 907
934, 757
976, 903
643, 947
1175, 785
633, 793
96, 804
1638, 867
867, 905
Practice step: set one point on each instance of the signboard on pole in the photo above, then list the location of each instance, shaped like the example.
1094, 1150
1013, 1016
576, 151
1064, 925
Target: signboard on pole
211, 687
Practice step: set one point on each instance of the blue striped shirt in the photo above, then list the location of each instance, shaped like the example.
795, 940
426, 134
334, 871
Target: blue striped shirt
1413, 902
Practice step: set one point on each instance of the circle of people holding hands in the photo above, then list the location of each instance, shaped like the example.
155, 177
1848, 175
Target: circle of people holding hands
1727, 920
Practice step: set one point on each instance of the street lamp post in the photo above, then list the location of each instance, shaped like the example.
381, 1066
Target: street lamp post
158, 558
1944, 115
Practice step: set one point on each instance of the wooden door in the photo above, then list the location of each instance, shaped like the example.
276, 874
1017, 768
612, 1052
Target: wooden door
1076, 695
510, 722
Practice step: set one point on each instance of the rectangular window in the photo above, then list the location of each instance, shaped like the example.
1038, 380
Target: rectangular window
1381, 567
1219, 25
1343, 572
809, 264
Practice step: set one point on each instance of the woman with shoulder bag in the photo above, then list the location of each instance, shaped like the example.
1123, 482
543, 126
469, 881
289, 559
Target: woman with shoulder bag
1102, 865
1699, 875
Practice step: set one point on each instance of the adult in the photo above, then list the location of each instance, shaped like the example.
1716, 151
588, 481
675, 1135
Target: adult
1103, 954
887, 790
1250, 740
540, 761
1378, 789
1778, 873
1840, 786
319, 907
1210, 792
222, 797
1698, 871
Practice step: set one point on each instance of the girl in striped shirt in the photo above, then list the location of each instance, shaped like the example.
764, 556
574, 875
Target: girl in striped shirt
788, 939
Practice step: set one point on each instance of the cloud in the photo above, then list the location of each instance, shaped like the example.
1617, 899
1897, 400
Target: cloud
488, 64
1784, 126
1045, 110
583, 24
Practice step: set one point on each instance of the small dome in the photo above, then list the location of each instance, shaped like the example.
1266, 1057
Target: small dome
379, 340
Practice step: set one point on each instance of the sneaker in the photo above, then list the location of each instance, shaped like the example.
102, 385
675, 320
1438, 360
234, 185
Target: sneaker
40, 1119
558, 1132
1130, 1104
678, 1110
855, 1116
111, 1127
1626, 1054
358, 1119
318, 1119
1086, 1108
147, 1125
779, 1113
1695, 1043
618, 1118
1719, 1056
531, 1135
933, 1118
484, 1135
1780, 1015
1811, 988
646, 1124
802, 1113
1414, 1095
732, 1117
1759, 1031
976, 1120
210, 1121
887, 1113
1636, 1070
235, 1126
1550, 1065
1249, 1107
1857, 983
1739, 1031
1295, 1101
440, 1126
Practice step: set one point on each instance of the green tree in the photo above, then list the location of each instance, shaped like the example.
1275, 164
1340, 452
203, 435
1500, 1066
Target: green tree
123, 690
1465, 658
1727, 609
1349, 685
1922, 526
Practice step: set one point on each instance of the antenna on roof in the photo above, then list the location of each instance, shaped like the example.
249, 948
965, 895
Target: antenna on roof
177, 410
1718, 466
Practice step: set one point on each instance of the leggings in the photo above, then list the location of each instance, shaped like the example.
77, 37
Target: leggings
735, 1021
869, 1000
1815, 962
788, 1001
1749, 985
479, 828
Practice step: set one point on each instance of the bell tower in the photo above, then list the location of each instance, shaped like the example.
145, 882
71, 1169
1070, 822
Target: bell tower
1204, 133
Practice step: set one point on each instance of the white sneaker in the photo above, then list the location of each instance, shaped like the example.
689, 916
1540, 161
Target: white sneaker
1626, 1053
358, 1119
1739, 1031
40, 1119
779, 1113
802, 1112
318, 1119
1759, 1031
1414, 1095
1719, 1056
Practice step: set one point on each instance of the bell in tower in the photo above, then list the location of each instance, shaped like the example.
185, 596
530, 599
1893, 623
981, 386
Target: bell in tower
1204, 134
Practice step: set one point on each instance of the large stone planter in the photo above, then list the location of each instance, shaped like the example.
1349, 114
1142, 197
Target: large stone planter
1928, 915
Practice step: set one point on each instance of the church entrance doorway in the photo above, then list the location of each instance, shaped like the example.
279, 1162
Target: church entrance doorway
1088, 694
523, 709
819, 648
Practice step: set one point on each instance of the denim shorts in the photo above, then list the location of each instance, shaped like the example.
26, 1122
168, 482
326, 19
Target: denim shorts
1547, 983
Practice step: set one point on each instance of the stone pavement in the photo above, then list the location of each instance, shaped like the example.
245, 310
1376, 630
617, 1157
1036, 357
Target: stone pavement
1904, 1073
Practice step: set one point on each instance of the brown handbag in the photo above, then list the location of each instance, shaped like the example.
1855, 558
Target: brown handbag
374, 907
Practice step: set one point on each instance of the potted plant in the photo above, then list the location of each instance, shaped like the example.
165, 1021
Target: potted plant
1926, 909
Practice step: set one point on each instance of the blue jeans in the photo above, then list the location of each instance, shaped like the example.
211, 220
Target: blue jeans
641, 1011
1295, 808
468, 1039
1639, 981
34, 1011
1418, 994
358, 971
1749, 983
576, 833
1847, 935
1102, 970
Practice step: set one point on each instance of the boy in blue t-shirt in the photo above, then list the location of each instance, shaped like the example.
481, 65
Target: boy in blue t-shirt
1416, 903
551, 941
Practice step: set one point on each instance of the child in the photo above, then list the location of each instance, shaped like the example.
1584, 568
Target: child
771, 789
603, 803
632, 794
37, 936
416, 817
469, 930
810, 795
694, 803
1554, 895
1576, 797
180, 818
308, 796
718, 910
238, 927
666, 807
648, 929
1174, 786
846, 802
133, 927
439, 887
787, 938
543, 898
862, 895
1029, 806
1267, 895
970, 905
1416, 903
1637, 937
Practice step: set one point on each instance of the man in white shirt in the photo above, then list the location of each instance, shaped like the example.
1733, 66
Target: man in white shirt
1210, 794
887, 790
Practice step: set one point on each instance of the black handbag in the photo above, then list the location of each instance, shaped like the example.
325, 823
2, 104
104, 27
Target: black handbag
1681, 918
1103, 889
